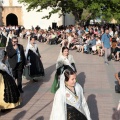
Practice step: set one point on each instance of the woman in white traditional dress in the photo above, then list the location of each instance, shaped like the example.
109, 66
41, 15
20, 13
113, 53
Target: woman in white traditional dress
9, 38
69, 102
35, 66
9, 93
64, 61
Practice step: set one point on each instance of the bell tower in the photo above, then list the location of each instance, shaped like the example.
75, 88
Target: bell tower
11, 14
10, 2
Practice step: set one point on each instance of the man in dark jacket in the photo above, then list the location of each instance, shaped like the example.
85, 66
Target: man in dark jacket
16, 58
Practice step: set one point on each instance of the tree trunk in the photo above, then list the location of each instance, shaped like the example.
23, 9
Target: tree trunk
77, 14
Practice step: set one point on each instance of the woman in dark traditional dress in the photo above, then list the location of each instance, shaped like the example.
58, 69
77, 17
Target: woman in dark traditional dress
9, 94
69, 102
35, 66
4, 38
65, 61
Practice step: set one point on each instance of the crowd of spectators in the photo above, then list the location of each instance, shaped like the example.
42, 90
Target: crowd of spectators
84, 39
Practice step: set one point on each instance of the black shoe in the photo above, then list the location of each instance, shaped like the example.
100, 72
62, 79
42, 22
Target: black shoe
35, 80
116, 60
21, 91
113, 58
106, 63
3, 110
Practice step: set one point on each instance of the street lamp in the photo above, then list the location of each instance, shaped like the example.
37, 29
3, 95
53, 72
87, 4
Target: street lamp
64, 19
64, 11
1, 8
1, 2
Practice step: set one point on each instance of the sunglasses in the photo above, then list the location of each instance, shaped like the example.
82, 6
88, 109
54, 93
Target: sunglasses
15, 41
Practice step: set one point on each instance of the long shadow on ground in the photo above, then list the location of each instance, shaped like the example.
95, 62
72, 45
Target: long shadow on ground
81, 79
92, 104
31, 88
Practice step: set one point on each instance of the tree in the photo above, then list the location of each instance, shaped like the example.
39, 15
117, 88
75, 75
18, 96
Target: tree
108, 9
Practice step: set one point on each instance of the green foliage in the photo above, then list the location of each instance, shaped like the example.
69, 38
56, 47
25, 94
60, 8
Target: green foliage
1, 45
108, 9
85, 15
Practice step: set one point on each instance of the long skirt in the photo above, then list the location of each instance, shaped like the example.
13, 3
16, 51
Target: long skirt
9, 94
35, 72
55, 84
3, 40
74, 114
36, 68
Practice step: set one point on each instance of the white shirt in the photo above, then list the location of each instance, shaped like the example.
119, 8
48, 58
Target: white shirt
98, 42
70, 39
111, 33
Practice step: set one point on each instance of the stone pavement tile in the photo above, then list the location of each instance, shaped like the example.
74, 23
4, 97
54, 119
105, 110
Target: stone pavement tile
36, 117
100, 105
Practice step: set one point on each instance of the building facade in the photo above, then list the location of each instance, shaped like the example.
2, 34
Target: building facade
14, 13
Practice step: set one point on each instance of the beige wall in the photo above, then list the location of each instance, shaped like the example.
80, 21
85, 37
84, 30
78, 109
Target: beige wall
32, 18
14, 10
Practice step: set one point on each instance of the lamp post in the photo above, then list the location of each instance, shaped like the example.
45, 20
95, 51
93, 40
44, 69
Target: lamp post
64, 11
1, 8
64, 19
1, 2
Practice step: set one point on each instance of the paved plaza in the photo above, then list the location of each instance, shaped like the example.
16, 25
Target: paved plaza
96, 78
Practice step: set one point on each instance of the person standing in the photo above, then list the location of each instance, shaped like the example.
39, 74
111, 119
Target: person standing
9, 93
9, 38
106, 45
35, 67
16, 59
4, 37
64, 61
69, 100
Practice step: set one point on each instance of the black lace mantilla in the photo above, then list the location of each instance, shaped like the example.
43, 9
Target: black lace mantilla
11, 93
74, 114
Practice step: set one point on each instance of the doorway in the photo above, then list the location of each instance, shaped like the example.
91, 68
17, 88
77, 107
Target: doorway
11, 19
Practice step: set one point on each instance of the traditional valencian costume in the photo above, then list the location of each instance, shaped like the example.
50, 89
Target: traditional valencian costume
35, 68
9, 94
3, 38
68, 105
62, 64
